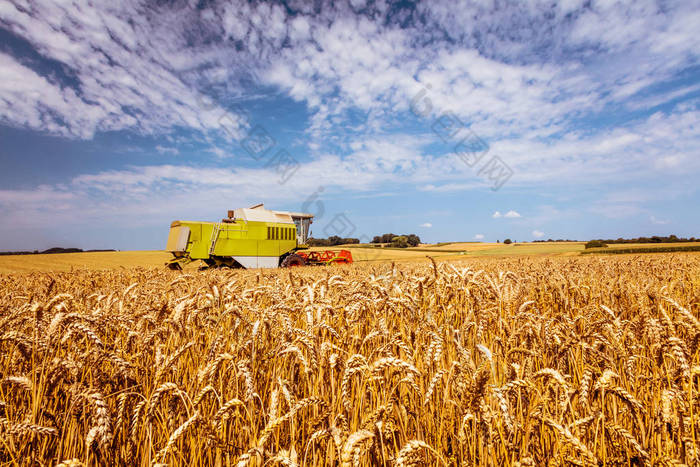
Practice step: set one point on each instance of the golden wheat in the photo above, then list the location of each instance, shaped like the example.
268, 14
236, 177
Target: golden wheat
514, 362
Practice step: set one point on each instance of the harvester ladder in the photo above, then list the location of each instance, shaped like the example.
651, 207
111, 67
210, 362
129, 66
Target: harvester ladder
214, 237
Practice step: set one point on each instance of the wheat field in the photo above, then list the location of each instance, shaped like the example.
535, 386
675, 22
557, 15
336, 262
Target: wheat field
513, 361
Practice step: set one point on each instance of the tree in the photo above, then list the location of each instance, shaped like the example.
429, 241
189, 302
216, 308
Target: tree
413, 240
507, 241
332, 241
399, 242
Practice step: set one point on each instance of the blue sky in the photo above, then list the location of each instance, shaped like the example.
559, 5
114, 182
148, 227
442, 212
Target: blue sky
454, 120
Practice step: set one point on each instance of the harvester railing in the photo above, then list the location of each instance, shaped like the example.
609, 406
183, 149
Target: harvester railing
214, 237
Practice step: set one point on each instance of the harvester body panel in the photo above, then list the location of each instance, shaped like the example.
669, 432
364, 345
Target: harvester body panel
178, 238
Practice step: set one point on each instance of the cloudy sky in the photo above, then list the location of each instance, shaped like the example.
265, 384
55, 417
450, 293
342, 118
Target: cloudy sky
457, 121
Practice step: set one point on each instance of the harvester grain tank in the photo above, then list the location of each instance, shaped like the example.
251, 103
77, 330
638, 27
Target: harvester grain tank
252, 237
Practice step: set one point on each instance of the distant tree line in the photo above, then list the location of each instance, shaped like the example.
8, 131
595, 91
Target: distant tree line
387, 240
333, 240
398, 241
653, 239
50, 251
600, 243
550, 240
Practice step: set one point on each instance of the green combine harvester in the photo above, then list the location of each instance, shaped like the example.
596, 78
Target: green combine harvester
248, 238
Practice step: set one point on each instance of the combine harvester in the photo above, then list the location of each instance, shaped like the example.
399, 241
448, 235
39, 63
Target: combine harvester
249, 238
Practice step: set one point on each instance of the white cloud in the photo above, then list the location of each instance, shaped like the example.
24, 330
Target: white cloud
450, 187
616, 211
143, 190
30, 100
479, 237
656, 100
143, 73
472, 78
656, 221
537, 233
126, 72
167, 150
512, 215
659, 144
497, 215
427, 225
42, 195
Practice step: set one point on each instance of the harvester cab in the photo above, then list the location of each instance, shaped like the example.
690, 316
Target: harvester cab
252, 237
303, 225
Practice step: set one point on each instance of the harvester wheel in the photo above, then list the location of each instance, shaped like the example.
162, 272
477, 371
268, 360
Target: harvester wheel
292, 261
